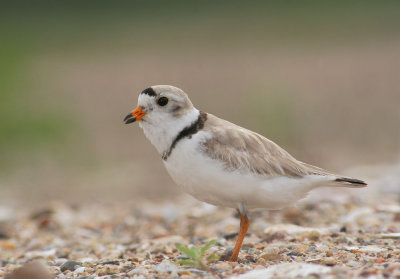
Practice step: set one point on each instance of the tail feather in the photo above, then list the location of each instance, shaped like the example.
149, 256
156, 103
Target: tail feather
350, 182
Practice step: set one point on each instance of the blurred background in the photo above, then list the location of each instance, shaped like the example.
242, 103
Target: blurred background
320, 78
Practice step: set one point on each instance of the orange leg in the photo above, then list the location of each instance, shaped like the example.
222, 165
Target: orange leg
244, 226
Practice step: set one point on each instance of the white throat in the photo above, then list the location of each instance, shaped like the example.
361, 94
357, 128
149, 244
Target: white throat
162, 131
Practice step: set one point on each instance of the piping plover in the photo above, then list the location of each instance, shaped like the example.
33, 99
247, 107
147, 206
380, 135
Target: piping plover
221, 163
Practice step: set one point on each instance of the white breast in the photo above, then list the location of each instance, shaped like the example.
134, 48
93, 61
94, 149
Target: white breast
207, 180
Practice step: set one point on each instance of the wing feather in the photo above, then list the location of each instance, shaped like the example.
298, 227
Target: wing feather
243, 150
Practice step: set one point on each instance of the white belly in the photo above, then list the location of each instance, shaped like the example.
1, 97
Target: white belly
207, 180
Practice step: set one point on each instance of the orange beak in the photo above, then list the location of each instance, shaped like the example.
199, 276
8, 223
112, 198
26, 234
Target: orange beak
135, 115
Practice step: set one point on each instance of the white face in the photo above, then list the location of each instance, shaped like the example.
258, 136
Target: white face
160, 108
163, 112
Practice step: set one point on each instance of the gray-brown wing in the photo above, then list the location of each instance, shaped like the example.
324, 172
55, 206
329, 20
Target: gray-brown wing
247, 151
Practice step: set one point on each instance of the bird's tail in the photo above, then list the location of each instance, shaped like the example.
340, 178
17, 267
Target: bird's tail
348, 182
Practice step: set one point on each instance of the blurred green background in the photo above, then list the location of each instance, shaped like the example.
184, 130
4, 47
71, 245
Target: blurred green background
321, 78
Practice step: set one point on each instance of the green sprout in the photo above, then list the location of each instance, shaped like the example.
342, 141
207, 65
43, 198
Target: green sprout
196, 256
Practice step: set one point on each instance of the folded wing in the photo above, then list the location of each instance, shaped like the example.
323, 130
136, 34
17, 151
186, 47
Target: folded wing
242, 150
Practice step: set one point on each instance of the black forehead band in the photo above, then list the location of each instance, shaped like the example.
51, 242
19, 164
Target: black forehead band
149, 91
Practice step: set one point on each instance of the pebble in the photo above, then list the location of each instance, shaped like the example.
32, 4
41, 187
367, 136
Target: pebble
274, 236
293, 229
169, 240
223, 266
4, 232
110, 262
80, 270
322, 248
87, 260
272, 250
198, 272
50, 253
138, 271
269, 257
356, 214
330, 261
311, 248
60, 261
227, 254
70, 265
31, 270
293, 253
6, 214
354, 264
312, 235
286, 270
390, 235
166, 267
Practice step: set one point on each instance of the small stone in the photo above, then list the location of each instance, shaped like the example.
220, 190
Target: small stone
60, 261
80, 270
87, 260
198, 272
230, 235
269, 257
134, 271
311, 248
329, 261
7, 245
261, 261
250, 259
312, 235
227, 254
166, 267
31, 270
271, 250
6, 214
322, 248
354, 264
274, 236
110, 262
390, 235
223, 266
293, 253
69, 265
247, 246
294, 215
47, 254
287, 270
44, 212
380, 260
172, 239
4, 232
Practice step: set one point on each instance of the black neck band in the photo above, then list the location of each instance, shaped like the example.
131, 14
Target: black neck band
187, 132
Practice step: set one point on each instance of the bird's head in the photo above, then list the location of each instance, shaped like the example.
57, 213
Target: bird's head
160, 103
162, 112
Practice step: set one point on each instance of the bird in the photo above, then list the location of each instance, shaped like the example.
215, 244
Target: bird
221, 163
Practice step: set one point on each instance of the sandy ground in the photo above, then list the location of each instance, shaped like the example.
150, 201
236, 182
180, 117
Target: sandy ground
333, 233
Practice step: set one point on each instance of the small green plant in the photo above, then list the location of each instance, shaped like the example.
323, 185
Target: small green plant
196, 256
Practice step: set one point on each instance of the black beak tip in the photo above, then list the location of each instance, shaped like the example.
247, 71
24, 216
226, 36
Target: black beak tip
128, 116
130, 120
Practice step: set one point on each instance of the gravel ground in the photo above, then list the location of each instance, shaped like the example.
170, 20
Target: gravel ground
334, 233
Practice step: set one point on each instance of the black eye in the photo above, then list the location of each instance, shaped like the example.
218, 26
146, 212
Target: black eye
162, 101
